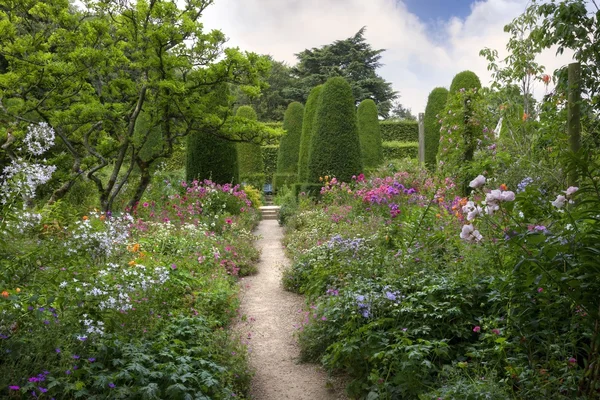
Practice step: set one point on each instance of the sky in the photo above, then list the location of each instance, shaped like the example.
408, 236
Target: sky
427, 42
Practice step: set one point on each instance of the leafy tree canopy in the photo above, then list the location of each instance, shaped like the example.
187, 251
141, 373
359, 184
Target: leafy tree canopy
353, 59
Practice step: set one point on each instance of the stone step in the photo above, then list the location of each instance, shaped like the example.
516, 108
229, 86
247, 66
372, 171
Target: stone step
269, 212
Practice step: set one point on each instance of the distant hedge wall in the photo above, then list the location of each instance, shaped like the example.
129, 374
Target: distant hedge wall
400, 150
269, 153
399, 131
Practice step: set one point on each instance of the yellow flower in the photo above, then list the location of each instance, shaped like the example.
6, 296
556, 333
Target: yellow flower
18, 290
132, 263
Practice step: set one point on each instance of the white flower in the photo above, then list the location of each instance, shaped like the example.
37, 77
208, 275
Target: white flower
63, 284
571, 190
560, 201
477, 211
507, 195
470, 234
477, 182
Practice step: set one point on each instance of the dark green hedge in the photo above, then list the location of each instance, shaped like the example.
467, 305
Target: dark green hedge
369, 133
256, 180
209, 157
269, 154
465, 80
399, 131
289, 146
307, 132
250, 160
335, 146
435, 106
400, 150
283, 179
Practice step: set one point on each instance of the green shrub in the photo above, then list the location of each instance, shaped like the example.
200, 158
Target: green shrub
250, 159
289, 146
401, 131
307, 132
370, 134
465, 80
283, 179
335, 147
400, 150
435, 106
273, 140
269, 154
209, 157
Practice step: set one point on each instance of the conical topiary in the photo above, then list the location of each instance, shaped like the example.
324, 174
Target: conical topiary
310, 110
435, 106
369, 134
335, 146
289, 145
250, 159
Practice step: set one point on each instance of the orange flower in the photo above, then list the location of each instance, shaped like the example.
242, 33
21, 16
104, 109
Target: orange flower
438, 215
102, 217
85, 218
135, 248
525, 116
463, 201
503, 187
440, 200
132, 263
546, 79
5, 294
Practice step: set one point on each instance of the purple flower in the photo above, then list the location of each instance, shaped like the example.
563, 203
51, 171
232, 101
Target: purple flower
68, 372
43, 390
111, 385
14, 387
57, 350
34, 379
91, 359
76, 357
390, 296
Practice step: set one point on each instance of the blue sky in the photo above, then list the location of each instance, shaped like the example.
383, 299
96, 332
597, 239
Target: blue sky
434, 10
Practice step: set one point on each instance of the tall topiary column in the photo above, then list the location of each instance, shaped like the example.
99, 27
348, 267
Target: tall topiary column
435, 106
335, 146
289, 146
210, 157
250, 159
369, 134
465, 80
307, 132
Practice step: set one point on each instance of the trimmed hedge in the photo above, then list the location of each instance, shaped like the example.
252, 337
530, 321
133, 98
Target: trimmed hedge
289, 146
369, 134
435, 105
283, 179
209, 157
250, 159
399, 131
335, 146
400, 150
307, 132
269, 154
465, 80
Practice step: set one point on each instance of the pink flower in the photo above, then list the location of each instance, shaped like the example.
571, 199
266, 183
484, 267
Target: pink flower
496, 331
228, 221
146, 204
540, 290
477, 329
571, 190
572, 360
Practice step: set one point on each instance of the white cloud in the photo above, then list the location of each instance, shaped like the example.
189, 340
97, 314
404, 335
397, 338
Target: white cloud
417, 57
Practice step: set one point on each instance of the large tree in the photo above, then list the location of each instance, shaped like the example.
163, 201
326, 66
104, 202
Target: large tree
353, 59
95, 74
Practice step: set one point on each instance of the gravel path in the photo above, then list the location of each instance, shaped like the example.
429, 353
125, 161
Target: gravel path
271, 314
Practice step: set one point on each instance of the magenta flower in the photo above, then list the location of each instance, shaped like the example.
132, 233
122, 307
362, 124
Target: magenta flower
540, 290
477, 329
572, 360
14, 387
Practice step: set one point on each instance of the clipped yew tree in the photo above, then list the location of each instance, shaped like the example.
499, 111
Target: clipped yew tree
369, 134
465, 80
250, 159
335, 146
289, 146
435, 106
310, 110
211, 157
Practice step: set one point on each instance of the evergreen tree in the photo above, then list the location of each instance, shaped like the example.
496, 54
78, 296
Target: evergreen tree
435, 106
335, 147
307, 132
465, 80
370, 134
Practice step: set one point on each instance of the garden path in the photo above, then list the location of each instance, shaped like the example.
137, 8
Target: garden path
271, 316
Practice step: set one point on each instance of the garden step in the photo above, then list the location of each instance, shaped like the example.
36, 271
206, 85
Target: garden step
269, 212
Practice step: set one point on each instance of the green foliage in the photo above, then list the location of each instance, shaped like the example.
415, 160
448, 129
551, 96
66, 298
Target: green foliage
464, 80
250, 158
353, 59
210, 157
308, 122
335, 147
289, 146
400, 150
269, 153
99, 72
370, 134
274, 139
435, 106
399, 131
283, 179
